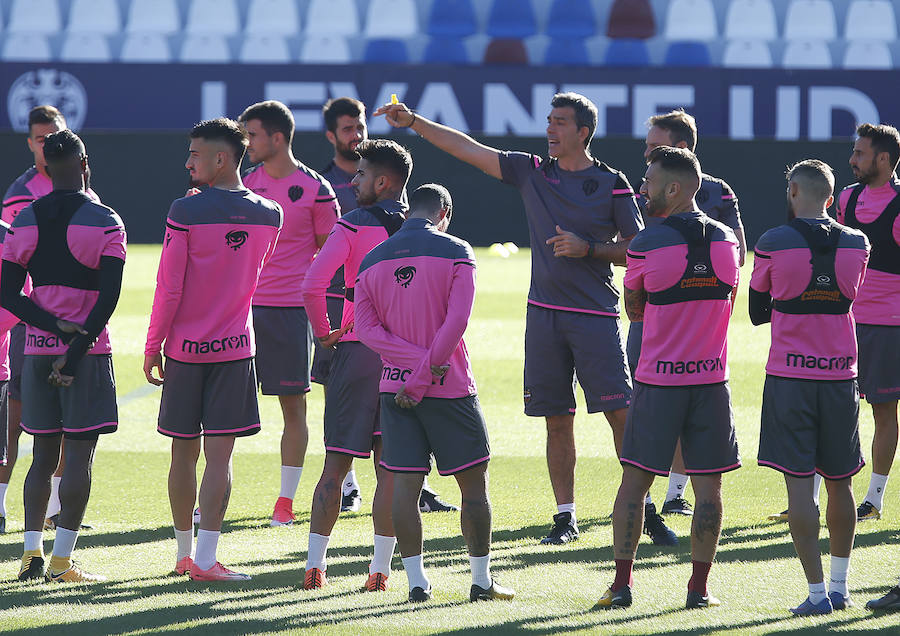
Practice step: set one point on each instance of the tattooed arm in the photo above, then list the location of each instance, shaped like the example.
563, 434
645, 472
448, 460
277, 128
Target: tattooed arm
635, 300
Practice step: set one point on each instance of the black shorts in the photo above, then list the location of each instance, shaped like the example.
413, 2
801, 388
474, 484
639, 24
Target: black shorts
214, 398
4, 432
560, 345
284, 346
321, 366
85, 409
810, 426
351, 401
879, 362
453, 430
700, 415
16, 356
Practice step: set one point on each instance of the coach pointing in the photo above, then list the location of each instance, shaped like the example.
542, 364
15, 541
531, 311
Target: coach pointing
574, 205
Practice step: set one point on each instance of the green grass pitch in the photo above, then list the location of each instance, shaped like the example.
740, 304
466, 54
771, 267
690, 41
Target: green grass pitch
756, 574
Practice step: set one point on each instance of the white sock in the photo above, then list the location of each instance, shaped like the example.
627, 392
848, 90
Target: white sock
648, 500
875, 496
677, 483
817, 592
315, 555
481, 570
840, 567
3, 488
415, 572
185, 541
34, 540
64, 542
817, 487
53, 506
350, 483
205, 554
290, 479
425, 483
384, 551
570, 508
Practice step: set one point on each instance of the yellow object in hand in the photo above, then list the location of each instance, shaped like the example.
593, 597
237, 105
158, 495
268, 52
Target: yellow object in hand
394, 99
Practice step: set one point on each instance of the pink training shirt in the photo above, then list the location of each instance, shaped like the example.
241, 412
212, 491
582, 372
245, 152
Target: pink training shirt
30, 186
215, 246
310, 208
7, 320
685, 341
414, 297
350, 240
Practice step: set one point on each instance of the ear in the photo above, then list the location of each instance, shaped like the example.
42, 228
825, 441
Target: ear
794, 189
331, 137
673, 189
681, 144
829, 202
583, 133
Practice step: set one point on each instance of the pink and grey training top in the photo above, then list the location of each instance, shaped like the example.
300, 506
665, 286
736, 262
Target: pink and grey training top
7, 320
877, 213
214, 249
414, 296
30, 186
814, 346
352, 237
596, 204
310, 208
689, 288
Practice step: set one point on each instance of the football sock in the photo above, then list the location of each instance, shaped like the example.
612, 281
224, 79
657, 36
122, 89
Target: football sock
699, 577
623, 574
205, 555
185, 541
350, 483
840, 567
677, 483
875, 496
384, 551
817, 487
415, 572
64, 542
481, 570
570, 508
34, 541
290, 479
315, 555
3, 488
817, 592
53, 506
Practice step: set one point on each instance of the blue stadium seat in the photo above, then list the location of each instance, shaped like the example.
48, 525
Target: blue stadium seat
627, 52
511, 19
567, 51
687, 54
445, 50
386, 51
452, 17
571, 18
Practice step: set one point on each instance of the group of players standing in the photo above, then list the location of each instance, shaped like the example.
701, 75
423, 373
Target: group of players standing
273, 246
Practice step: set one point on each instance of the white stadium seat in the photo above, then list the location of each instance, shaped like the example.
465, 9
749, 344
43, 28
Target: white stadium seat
153, 16
273, 17
35, 16
95, 16
264, 49
26, 47
205, 48
751, 19
867, 55
146, 48
871, 20
391, 19
806, 54
326, 49
691, 20
332, 17
810, 19
747, 54
85, 47
218, 17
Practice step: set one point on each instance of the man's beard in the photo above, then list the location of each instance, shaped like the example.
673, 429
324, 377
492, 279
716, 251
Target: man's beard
655, 207
347, 152
866, 176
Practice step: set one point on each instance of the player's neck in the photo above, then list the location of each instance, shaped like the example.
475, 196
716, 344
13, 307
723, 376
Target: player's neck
227, 180
42, 170
880, 181
681, 208
812, 213
281, 165
348, 166
576, 161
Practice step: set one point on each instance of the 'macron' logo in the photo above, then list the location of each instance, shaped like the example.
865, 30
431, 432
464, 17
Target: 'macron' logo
404, 275
236, 238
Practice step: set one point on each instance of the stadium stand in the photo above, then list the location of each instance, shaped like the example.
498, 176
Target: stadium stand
85, 47
687, 54
571, 18
26, 47
871, 20
332, 17
810, 19
153, 16
747, 54
273, 17
452, 18
511, 19
862, 55
386, 51
150, 48
325, 49
213, 16
205, 48
95, 16
391, 19
445, 50
264, 49
566, 51
631, 19
806, 54
505, 51
627, 52
691, 20
751, 19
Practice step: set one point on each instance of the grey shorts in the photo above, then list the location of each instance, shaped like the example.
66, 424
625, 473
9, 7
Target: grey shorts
321, 366
633, 346
83, 410
16, 356
563, 345
215, 398
453, 430
879, 362
810, 426
700, 415
284, 346
351, 401
4, 433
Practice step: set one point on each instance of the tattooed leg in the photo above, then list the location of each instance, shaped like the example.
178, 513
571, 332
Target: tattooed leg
707, 521
628, 512
326, 504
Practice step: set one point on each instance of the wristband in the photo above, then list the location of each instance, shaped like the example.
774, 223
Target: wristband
590, 252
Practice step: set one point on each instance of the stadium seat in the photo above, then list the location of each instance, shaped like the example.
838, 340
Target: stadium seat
386, 51
567, 51
273, 17
145, 47
631, 19
452, 17
871, 20
810, 20
35, 16
264, 49
627, 52
747, 54
26, 47
325, 49
218, 17
391, 19
687, 54
751, 20
153, 16
505, 51
95, 16
445, 50
511, 19
867, 55
806, 54
332, 17
571, 18
85, 47
205, 48
691, 20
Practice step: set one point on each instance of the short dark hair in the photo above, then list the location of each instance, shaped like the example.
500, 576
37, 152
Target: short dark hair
388, 155
884, 138
63, 146
430, 198
340, 106
680, 126
45, 114
680, 161
585, 111
273, 116
223, 129
813, 176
